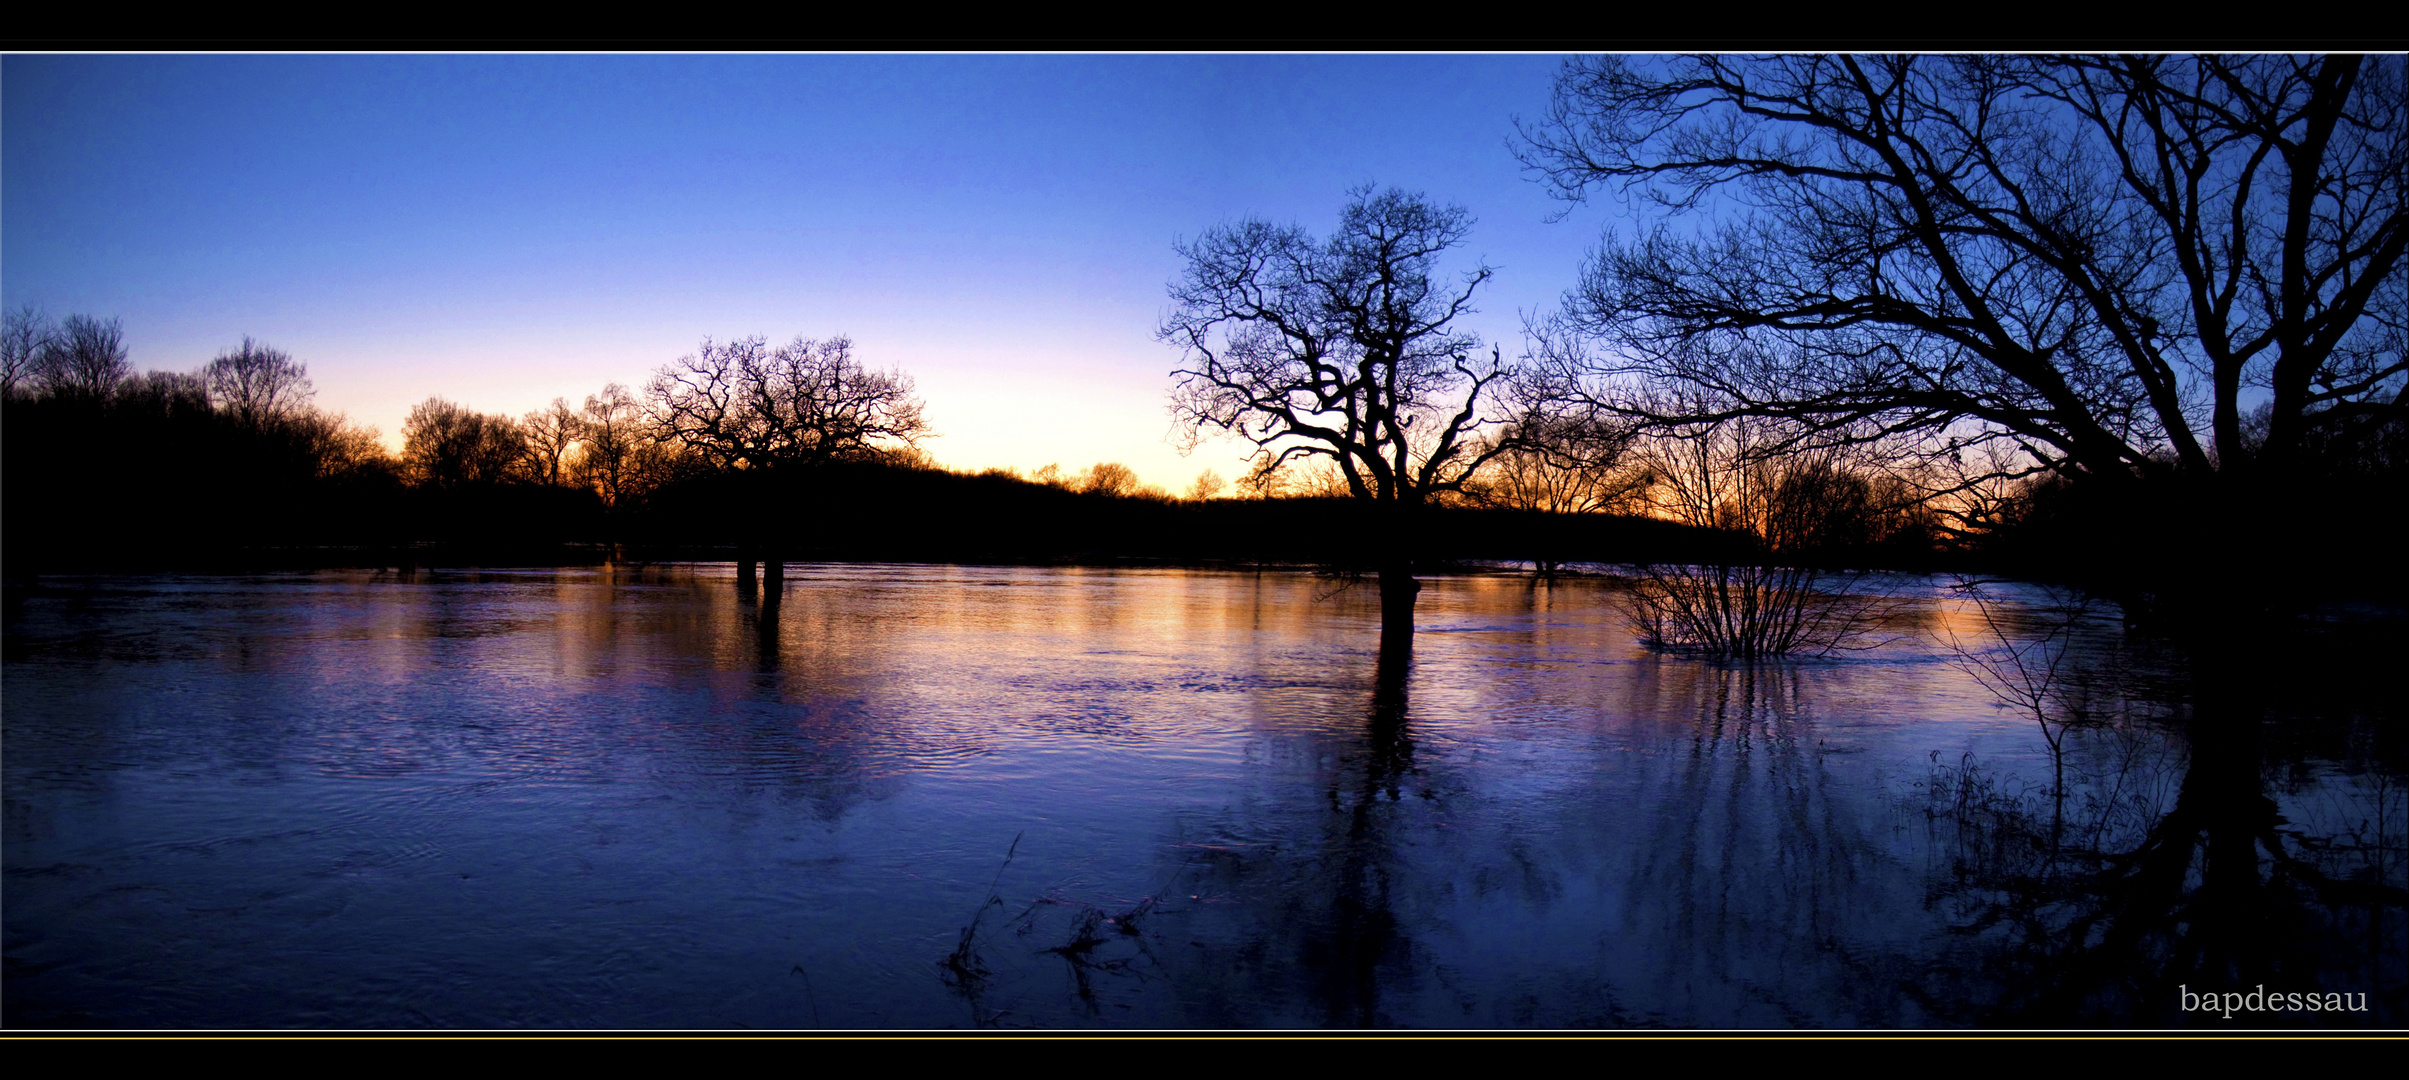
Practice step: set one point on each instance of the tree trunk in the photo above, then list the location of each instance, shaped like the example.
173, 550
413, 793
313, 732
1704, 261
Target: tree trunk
1397, 591
744, 570
773, 575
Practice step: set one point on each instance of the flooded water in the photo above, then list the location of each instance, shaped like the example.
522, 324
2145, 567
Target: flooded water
928, 796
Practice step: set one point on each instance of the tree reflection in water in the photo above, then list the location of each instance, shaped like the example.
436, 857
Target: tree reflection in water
1363, 936
1290, 914
1725, 866
1749, 896
1707, 870
2111, 904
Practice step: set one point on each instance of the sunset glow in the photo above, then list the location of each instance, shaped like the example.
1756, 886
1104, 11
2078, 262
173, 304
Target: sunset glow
504, 230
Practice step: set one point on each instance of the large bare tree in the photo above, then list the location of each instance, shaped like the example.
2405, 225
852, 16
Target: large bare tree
1345, 350
750, 409
745, 405
2118, 267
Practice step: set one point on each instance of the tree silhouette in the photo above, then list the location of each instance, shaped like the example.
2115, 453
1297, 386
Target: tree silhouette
1784, 516
110, 468
1552, 461
445, 446
258, 386
743, 405
25, 340
614, 430
551, 432
1208, 485
2099, 262
770, 414
1558, 464
1111, 478
85, 360
1344, 351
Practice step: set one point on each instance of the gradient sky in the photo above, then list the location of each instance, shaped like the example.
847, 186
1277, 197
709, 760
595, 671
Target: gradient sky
504, 230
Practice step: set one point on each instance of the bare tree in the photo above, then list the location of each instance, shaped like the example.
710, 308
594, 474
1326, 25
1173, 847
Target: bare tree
446, 446
1560, 463
2096, 262
1766, 585
700, 402
2030, 663
743, 405
1111, 478
86, 359
341, 449
614, 429
25, 340
551, 432
823, 405
163, 393
1261, 480
1208, 485
1344, 351
258, 386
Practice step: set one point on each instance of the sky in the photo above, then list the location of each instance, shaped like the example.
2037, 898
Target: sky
503, 230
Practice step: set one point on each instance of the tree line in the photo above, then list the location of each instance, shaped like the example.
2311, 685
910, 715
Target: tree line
765, 451
735, 406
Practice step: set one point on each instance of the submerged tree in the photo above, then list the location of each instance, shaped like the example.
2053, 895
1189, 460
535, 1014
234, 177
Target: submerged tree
1768, 584
2151, 863
767, 415
1344, 351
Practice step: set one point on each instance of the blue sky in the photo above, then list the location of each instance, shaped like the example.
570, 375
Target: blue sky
504, 230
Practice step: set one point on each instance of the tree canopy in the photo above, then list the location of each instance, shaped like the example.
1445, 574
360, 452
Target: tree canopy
2118, 267
1344, 350
258, 385
744, 405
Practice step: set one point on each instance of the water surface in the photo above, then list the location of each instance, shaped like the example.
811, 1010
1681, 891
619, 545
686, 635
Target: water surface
929, 796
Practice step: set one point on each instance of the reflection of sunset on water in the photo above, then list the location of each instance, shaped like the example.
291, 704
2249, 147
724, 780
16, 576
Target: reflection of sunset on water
635, 797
